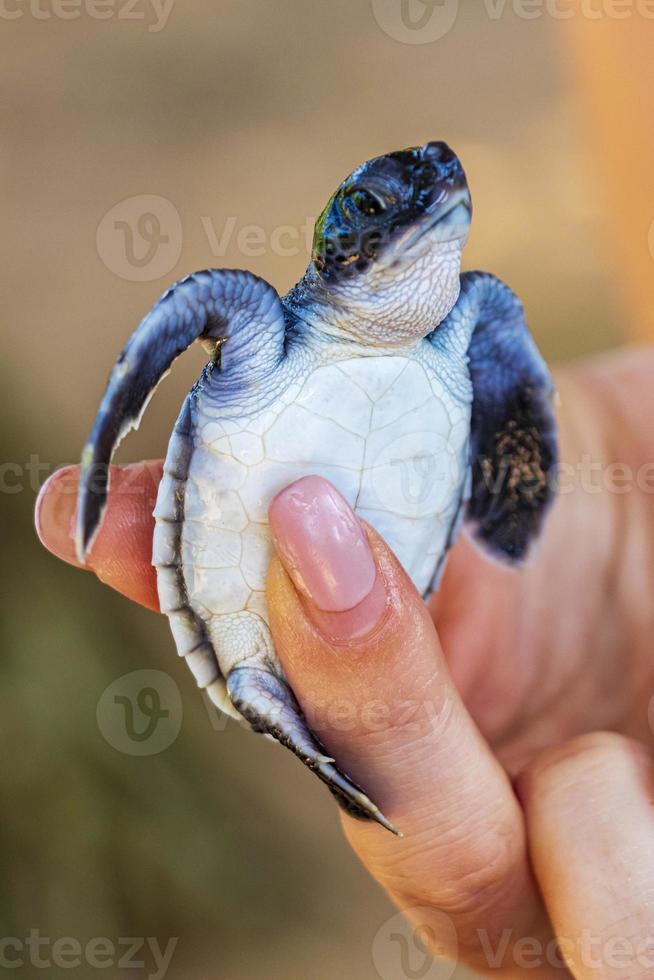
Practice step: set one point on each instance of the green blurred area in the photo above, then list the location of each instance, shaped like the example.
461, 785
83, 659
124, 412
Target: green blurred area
252, 112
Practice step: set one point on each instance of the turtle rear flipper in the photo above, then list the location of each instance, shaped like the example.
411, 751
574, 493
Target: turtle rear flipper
226, 305
269, 705
254, 686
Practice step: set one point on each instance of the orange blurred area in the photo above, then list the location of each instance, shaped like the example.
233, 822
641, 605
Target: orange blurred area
617, 111
243, 116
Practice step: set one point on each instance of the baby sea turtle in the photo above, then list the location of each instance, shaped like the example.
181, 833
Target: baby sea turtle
416, 390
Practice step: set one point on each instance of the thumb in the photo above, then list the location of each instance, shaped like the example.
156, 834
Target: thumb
362, 656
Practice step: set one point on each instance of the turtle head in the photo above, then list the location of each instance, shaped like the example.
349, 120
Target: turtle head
387, 247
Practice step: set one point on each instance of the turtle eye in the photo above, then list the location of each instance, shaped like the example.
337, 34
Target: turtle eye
364, 202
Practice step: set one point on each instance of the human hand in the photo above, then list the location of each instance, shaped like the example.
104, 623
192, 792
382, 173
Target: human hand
534, 680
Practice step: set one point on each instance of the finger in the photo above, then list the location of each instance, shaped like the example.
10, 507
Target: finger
591, 829
121, 555
362, 656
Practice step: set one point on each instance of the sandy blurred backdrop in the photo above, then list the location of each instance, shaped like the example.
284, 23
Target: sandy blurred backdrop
238, 113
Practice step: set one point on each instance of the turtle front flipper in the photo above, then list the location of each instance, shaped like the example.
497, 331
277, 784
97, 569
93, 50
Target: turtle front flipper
225, 305
269, 705
513, 435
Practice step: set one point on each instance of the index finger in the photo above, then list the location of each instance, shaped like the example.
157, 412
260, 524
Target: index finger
121, 555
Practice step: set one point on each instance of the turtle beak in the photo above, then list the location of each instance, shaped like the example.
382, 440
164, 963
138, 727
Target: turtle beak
450, 219
447, 211
447, 216
450, 184
446, 164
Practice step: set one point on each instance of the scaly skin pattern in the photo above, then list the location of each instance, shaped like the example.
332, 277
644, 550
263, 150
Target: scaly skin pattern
389, 427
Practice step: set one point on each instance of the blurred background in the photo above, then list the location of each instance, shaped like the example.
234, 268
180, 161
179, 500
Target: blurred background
140, 142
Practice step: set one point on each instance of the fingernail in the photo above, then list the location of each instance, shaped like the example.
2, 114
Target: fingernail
54, 513
325, 550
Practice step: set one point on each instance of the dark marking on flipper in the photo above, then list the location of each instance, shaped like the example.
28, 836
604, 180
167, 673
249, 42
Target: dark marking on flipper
510, 476
270, 707
513, 437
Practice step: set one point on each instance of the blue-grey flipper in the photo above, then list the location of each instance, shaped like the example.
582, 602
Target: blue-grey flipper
218, 304
513, 428
271, 708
